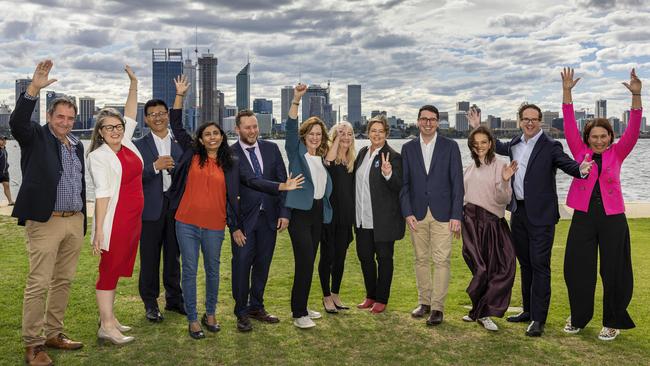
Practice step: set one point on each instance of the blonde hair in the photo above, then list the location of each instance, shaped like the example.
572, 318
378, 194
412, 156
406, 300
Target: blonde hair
96, 139
381, 119
351, 154
307, 125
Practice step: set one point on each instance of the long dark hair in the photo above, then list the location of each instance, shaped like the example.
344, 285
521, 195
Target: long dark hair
224, 155
598, 122
489, 157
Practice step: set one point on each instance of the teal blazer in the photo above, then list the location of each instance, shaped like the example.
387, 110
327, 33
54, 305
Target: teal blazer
302, 199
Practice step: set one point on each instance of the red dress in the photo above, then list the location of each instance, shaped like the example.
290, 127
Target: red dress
118, 261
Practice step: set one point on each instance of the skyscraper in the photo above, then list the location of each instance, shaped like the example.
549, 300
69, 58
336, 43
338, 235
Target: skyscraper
244, 88
286, 97
601, 108
354, 104
86, 111
462, 106
263, 106
208, 93
167, 64
547, 119
21, 87
462, 124
314, 91
190, 110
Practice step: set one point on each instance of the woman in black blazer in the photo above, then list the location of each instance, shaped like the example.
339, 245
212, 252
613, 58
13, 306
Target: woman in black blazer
379, 222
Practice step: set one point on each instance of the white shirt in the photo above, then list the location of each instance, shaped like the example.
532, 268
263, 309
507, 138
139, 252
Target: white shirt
318, 174
245, 146
164, 147
521, 152
363, 203
427, 151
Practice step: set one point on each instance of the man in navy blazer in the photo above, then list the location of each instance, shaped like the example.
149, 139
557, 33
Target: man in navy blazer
432, 203
534, 209
159, 152
263, 215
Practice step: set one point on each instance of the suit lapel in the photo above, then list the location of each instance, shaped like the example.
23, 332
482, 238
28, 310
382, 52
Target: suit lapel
148, 139
538, 146
437, 150
418, 153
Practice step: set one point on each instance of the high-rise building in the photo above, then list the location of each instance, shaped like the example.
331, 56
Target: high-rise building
5, 113
167, 64
462, 106
222, 105
314, 91
374, 114
244, 88
265, 123
493, 121
86, 111
601, 108
229, 124
286, 97
21, 87
558, 123
229, 111
443, 120
263, 106
190, 105
141, 127
547, 119
327, 115
462, 123
316, 107
354, 104
208, 93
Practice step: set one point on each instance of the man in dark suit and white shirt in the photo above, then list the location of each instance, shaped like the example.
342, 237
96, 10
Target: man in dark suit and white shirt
263, 215
432, 203
159, 151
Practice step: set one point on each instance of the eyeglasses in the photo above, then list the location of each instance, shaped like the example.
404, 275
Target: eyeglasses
110, 128
530, 120
427, 120
157, 114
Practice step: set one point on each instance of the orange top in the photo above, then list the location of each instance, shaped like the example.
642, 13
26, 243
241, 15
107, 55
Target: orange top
204, 200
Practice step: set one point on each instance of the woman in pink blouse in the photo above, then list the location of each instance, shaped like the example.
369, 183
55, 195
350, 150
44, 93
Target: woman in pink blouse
487, 245
599, 222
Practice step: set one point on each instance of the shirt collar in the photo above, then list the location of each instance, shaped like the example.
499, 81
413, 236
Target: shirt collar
72, 139
246, 146
163, 139
433, 140
534, 139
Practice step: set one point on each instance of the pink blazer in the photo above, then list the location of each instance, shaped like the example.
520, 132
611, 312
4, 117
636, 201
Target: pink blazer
612, 159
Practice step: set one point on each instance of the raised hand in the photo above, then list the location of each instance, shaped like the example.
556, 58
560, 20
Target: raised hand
634, 85
299, 91
386, 167
182, 85
509, 170
567, 78
292, 183
41, 79
130, 72
585, 166
474, 117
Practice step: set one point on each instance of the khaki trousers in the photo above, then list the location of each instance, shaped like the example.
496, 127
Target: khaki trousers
432, 244
53, 248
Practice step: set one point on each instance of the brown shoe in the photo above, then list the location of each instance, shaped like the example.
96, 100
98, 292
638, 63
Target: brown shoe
62, 341
421, 311
435, 318
36, 356
263, 316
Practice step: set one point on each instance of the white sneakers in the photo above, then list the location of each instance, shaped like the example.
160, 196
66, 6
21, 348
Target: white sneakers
488, 324
314, 314
304, 322
467, 318
568, 328
608, 334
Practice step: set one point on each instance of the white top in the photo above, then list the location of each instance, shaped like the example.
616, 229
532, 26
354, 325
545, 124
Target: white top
245, 146
164, 147
318, 174
521, 152
363, 203
427, 151
106, 173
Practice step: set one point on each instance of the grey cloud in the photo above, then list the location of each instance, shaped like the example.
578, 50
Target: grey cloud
388, 41
97, 62
342, 39
608, 4
15, 29
518, 21
633, 36
391, 4
94, 38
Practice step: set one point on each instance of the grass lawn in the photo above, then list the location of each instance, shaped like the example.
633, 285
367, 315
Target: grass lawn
353, 336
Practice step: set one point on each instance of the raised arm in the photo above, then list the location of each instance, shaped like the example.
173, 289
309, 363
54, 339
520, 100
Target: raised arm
131, 106
292, 140
626, 143
576, 145
182, 86
474, 117
334, 149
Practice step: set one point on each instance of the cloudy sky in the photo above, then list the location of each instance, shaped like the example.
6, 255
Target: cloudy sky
405, 54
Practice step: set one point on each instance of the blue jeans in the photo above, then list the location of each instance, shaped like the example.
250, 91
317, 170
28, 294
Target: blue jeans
190, 239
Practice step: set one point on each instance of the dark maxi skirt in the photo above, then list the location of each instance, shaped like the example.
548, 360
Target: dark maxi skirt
490, 255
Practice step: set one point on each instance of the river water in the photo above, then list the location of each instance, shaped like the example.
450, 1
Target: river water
635, 174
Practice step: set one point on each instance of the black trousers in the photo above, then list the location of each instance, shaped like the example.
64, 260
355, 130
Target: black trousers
376, 259
335, 241
305, 232
250, 267
157, 235
590, 232
533, 246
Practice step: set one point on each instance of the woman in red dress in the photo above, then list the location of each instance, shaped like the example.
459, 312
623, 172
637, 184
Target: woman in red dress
115, 166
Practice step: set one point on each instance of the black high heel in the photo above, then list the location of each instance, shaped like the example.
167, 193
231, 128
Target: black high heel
329, 310
196, 335
212, 328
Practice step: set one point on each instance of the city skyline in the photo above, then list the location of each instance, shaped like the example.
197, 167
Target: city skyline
499, 56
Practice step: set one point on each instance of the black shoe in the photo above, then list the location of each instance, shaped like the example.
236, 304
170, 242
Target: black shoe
154, 315
421, 311
522, 317
244, 324
196, 335
435, 318
333, 310
212, 328
535, 329
176, 308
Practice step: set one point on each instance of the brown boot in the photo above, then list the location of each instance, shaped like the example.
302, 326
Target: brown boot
36, 356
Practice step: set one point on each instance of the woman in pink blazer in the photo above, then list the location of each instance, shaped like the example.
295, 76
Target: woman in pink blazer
599, 222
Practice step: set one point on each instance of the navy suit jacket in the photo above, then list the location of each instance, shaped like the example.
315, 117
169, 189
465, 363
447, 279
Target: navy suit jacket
251, 199
540, 191
152, 183
441, 190
40, 164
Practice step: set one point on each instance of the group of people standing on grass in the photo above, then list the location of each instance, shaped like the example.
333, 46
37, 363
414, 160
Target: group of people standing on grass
174, 193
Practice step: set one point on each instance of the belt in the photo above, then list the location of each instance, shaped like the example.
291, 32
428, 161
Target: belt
64, 213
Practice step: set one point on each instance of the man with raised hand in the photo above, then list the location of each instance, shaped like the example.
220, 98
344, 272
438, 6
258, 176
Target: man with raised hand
51, 204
